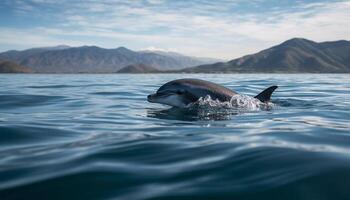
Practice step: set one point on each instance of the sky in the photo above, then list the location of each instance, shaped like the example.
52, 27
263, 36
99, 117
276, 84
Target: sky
224, 29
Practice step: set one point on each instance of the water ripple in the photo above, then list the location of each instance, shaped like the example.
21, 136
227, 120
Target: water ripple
96, 137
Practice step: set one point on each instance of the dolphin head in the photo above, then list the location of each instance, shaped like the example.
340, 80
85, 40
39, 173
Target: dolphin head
172, 94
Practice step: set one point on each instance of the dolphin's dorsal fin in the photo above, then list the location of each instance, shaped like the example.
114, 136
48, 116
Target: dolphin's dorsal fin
265, 95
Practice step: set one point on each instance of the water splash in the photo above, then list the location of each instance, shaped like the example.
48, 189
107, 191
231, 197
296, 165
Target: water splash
210, 109
241, 102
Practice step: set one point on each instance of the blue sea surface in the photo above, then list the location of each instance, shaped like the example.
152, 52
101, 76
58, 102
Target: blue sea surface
96, 137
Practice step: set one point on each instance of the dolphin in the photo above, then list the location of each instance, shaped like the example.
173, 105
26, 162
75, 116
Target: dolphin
182, 92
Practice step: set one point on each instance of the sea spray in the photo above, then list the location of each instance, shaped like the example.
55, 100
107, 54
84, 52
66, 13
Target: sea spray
208, 108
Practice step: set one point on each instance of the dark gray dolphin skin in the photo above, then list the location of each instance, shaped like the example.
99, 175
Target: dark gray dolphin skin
181, 92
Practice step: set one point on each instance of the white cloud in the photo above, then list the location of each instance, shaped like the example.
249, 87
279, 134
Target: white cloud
153, 48
209, 29
32, 38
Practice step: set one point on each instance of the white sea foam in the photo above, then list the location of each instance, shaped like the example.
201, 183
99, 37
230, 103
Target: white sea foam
208, 108
241, 102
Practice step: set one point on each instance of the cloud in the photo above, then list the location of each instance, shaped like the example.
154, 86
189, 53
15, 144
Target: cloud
31, 38
152, 48
227, 29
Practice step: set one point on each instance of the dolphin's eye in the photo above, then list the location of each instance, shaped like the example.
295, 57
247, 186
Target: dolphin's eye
179, 92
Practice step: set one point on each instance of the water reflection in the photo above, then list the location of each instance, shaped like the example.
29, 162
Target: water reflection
192, 114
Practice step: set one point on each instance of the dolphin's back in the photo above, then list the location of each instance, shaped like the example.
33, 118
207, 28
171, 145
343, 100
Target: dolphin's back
201, 88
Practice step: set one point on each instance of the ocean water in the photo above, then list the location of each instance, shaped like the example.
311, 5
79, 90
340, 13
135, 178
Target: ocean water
96, 137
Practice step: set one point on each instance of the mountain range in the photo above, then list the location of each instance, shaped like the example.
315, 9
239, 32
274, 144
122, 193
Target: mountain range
296, 55
93, 59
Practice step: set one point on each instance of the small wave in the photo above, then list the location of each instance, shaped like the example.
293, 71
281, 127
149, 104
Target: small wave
51, 86
112, 93
299, 103
26, 100
68, 86
104, 93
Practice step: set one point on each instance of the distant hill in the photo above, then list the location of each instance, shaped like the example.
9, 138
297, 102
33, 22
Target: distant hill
138, 68
11, 67
92, 59
187, 59
296, 55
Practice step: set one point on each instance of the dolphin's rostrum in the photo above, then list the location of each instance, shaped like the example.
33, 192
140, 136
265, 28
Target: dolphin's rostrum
181, 92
